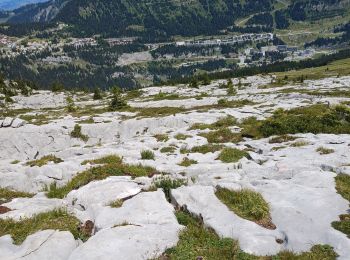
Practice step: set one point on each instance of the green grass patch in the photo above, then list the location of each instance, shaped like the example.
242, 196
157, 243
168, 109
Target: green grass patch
7, 195
181, 136
336, 68
207, 148
147, 155
342, 182
314, 119
109, 159
232, 155
56, 220
186, 162
223, 135
343, 225
167, 184
116, 204
197, 241
324, 150
247, 204
15, 161
44, 160
282, 139
299, 143
160, 111
168, 149
76, 133
222, 122
161, 137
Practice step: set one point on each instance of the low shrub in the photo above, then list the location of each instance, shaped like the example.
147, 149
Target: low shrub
76, 133
232, 155
147, 155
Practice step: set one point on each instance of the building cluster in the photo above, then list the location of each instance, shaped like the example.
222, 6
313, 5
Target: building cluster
82, 42
254, 37
57, 59
120, 41
5, 40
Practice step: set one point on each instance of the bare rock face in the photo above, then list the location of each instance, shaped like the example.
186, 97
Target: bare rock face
28, 207
47, 244
7, 122
12, 122
127, 218
17, 122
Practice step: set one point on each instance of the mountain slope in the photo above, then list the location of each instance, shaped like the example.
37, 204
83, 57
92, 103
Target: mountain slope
163, 17
41, 12
13, 4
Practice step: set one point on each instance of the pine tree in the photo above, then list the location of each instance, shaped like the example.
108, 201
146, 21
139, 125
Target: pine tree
117, 101
97, 94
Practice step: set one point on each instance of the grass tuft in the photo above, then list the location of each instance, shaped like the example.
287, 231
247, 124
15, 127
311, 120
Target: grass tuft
116, 204
109, 159
57, 220
282, 139
182, 136
168, 149
76, 133
147, 155
44, 160
161, 137
167, 184
7, 195
223, 135
324, 150
186, 162
247, 204
232, 155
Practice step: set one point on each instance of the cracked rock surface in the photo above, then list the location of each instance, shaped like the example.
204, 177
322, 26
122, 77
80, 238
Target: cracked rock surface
296, 181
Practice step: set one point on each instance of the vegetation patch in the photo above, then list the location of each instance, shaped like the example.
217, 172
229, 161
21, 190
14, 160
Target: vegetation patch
109, 159
223, 135
168, 149
324, 150
161, 137
222, 122
282, 139
181, 136
314, 119
342, 182
160, 111
207, 148
299, 143
147, 155
76, 133
56, 220
343, 225
167, 184
186, 162
44, 160
247, 204
7, 195
232, 155
196, 242
116, 204
114, 168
